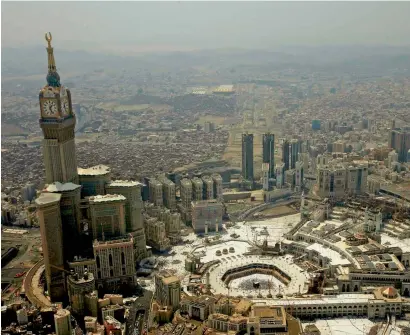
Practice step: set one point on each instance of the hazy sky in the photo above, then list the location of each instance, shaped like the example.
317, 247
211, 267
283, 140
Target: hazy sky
197, 25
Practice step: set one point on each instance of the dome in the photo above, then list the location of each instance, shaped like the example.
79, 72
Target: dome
390, 292
53, 79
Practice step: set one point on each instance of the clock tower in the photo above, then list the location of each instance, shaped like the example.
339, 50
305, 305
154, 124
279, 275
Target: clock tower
57, 121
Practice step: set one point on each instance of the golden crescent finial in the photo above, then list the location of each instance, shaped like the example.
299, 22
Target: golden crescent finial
49, 38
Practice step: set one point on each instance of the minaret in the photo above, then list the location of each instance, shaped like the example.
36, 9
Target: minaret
57, 121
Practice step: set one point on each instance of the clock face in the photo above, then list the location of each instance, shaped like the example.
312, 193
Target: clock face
50, 108
65, 107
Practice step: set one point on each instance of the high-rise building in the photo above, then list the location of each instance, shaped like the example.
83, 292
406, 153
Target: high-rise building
115, 261
28, 192
168, 290
168, 192
207, 216
208, 188
107, 214
186, 192
400, 141
78, 286
247, 156
156, 232
280, 175
62, 322
356, 179
197, 189
57, 121
48, 211
218, 186
70, 215
285, 154
295, 149
155, 192
209, 127
373, 220
331, 181
299, 175
134, 222
94, 179
268, 152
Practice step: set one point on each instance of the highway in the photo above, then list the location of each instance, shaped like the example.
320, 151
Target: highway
28, 286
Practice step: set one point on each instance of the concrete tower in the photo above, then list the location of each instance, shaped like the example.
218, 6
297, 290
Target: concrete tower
57, 121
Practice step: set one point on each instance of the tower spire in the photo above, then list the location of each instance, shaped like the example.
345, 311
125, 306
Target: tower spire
53, 78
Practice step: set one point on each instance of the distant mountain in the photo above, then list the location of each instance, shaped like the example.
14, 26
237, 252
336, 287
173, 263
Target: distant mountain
33, 60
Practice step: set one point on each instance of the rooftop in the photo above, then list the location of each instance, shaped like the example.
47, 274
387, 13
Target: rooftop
124, 183
59, 187
170, 280
107, 198
48, 198
94, 170
334, 256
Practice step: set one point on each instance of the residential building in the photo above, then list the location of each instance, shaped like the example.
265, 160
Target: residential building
155, 192
218, 188
168, 290
168, 192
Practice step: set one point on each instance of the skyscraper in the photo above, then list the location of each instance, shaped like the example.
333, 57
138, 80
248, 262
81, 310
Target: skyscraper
295, 148
57, 121
268, 152
48, 211
247, 156
399, 140
285, 154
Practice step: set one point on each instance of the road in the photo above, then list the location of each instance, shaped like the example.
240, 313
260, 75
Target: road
139, 314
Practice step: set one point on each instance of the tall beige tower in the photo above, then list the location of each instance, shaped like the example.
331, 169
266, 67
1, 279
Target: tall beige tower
131, 190
57, 121
49, 217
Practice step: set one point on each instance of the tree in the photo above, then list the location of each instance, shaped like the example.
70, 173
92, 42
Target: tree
332, 90
140, 91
